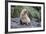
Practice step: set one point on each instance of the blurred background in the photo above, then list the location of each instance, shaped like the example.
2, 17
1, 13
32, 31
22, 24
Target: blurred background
34, 13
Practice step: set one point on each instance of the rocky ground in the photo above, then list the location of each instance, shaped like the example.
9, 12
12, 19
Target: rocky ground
15, 23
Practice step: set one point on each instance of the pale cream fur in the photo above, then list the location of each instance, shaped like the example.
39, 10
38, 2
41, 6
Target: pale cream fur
24, 17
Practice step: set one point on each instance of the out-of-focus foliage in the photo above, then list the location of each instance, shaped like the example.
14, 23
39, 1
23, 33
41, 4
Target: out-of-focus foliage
34, 12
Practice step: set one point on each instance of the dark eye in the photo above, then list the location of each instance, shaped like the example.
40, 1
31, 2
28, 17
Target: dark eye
25, 11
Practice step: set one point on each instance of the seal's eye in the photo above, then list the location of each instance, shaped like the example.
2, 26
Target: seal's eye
25, 11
